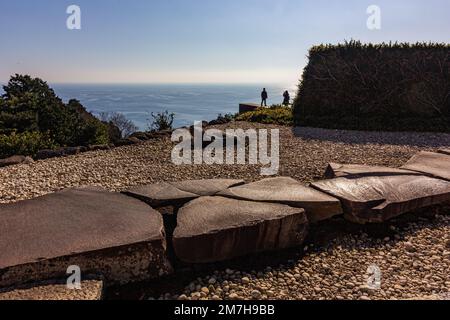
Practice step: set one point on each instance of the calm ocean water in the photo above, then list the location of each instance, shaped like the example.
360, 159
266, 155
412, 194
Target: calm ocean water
188, 102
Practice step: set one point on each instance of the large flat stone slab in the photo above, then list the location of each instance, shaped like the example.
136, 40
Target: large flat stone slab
430, 163
103, 233
445, 151
212, 229
336, 170
318, 205
379, 198
90, 290
206, 187
178, 193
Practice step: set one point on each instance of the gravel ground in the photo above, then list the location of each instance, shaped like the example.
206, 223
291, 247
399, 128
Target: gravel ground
414, 263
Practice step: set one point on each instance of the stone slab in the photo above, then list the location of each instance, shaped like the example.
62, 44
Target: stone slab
55, 291
444, 151
212, 229
178, 193
318, 205
207, 187
374, 199
105, 233
336, 170
430, 163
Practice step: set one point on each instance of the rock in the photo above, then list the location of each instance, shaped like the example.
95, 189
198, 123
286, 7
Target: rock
99, 147
256, 294
161, 194
318, 205
179, 193
248, 107
124, 142
444, 151
14, 160
70, 151
55, 290
214, 229
104, 233
378, 198
47, 154
430, 163
335, 170
142, 136
206, 187
28, 160
134, 140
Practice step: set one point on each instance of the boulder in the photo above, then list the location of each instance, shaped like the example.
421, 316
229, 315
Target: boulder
104, 233
444, 151
12, 161
248, 107
212, 229
99, 147
335, 170
55, 290
70, 151
318, 205
178, 193
434, 164
375, 199
48, 153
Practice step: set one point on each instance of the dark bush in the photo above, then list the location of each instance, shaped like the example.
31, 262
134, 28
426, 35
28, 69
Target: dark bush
30, 109
161, 121
376, 87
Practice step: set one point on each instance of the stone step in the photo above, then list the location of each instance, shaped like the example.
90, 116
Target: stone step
175, 194
444, 151
105, 233
434, 164
318, 205
335, 170
374, 199
53, 291
212, 229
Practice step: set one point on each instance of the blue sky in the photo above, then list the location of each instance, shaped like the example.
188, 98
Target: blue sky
196, 41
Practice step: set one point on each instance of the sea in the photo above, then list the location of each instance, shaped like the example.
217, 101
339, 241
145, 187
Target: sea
189, 103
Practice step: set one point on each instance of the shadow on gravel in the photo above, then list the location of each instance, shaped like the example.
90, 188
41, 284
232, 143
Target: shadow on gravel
414, 139
322, 238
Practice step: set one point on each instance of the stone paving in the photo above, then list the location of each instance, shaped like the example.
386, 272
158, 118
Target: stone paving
122, 237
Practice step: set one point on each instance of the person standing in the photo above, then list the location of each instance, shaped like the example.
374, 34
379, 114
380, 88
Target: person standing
287, 98
264, 97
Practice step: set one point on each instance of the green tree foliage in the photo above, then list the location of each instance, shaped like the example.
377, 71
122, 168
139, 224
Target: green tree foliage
30, 106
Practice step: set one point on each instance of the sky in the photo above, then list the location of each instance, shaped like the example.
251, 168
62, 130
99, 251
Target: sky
197, 41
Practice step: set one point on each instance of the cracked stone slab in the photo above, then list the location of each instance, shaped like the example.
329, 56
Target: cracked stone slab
318, 205
430, 163
336, 170
178, 193
106, 233
444, 151
375, 199
212, 229
53, 291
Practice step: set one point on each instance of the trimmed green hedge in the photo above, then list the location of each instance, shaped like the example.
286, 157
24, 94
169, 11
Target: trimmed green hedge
393, 87
274, 115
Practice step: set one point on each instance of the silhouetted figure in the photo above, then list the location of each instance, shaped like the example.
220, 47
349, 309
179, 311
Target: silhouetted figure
264, 97
287, 98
